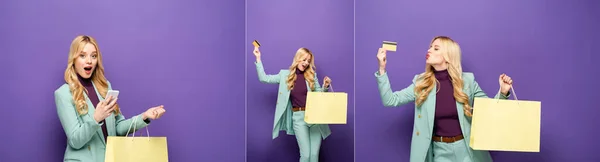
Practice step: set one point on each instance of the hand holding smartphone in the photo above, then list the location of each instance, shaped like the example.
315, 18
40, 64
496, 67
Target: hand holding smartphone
113, 93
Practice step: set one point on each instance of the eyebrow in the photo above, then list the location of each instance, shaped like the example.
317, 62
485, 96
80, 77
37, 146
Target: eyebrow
83, 52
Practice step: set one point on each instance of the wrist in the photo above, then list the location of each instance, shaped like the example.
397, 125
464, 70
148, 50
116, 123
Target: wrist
96, 119
258, 59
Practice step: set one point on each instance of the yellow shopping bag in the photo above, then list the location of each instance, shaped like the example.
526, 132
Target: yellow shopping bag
506, 125
134, 149
326, 108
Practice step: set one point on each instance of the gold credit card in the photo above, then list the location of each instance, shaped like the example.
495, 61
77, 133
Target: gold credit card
389, 46
255, 43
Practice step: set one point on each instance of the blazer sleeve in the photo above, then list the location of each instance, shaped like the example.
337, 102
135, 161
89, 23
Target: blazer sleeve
397, 98
318, 87
478, 92
123, 125
79, 128
263, 77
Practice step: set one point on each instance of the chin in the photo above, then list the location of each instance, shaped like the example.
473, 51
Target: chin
84, 76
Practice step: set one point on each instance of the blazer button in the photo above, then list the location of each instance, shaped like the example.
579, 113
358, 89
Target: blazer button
419, 115
279, 92
417, 133
89, 148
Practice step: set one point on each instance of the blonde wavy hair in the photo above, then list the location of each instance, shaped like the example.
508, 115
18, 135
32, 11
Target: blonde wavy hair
309, 72
77, 89
451, 54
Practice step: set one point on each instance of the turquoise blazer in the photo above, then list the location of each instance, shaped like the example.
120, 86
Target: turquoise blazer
283, 109
85, 140
420, 148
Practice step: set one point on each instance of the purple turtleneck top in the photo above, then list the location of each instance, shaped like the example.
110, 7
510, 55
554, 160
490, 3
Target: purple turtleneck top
446, 122
298, 94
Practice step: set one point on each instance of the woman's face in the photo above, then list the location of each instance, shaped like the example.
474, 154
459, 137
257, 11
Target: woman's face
304, 62
86, 61
434, 53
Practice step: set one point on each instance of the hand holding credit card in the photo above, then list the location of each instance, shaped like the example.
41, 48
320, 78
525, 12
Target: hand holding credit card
389, 45
255, 43
256, 51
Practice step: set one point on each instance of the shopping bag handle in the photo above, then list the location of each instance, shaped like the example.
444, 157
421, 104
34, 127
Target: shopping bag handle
134, 126
513, 93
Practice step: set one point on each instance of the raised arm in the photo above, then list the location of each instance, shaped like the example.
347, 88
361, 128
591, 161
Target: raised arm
262, 76
389, 98
266, 78
397, 98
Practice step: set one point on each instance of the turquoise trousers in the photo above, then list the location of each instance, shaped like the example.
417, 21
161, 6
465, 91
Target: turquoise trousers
309, 138
451, 152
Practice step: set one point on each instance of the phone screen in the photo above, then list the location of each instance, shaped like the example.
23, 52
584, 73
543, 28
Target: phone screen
113, 93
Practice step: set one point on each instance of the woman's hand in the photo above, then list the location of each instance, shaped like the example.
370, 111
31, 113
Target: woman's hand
505, 83
104, 108
326, 82
154, 112
381, 57
256, 54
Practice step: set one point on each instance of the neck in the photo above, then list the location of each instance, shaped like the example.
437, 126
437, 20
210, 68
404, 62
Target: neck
441, 75
440, 67
84, 81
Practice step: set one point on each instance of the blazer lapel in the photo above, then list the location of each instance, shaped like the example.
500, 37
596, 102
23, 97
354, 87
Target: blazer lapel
109, 121
91, 110
460, 111
307, 86
430, 105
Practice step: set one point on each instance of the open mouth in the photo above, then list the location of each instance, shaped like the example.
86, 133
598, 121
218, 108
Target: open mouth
88, 70
304, 66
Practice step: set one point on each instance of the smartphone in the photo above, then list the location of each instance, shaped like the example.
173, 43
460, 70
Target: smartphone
113, 93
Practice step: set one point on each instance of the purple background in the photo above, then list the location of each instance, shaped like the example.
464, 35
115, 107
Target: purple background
550, 46
324, 27
187, 55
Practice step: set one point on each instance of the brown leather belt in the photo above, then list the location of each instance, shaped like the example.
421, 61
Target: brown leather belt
447, 139
298, 109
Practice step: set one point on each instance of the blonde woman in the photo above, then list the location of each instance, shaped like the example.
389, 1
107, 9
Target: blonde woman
443, 97
294, 85
87, 126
